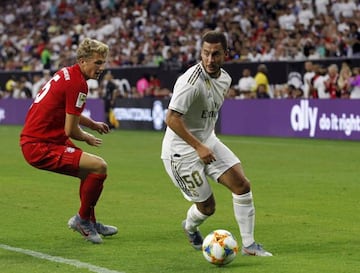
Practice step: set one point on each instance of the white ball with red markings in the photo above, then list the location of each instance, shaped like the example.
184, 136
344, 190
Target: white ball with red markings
220, 247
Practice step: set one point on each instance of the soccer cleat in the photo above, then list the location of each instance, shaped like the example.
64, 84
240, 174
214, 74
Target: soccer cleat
85, 228
195, 238
255, 250
105, 230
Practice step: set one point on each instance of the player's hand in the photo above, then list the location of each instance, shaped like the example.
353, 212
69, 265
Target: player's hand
92, 140
101, 127
205, 154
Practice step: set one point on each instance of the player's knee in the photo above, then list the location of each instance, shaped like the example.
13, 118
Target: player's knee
101, 166
243, 186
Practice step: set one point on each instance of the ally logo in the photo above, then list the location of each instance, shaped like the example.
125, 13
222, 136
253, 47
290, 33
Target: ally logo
304, 117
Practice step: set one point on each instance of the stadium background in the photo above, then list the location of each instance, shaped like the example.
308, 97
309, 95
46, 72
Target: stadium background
161, 38
278, 71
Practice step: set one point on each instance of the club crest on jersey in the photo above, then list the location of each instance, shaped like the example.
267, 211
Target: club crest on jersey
81, 100
207, 83
69, 150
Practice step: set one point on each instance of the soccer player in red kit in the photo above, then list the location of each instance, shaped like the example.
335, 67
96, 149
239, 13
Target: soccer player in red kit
54, 119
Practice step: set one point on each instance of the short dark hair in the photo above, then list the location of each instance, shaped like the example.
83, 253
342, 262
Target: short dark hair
214, 37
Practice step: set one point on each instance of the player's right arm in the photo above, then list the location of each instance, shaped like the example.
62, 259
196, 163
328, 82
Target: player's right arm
73, 130
176, 123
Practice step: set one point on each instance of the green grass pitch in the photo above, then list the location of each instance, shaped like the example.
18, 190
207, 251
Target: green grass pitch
306, 194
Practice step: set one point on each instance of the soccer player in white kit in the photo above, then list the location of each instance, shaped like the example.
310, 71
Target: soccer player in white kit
191, 152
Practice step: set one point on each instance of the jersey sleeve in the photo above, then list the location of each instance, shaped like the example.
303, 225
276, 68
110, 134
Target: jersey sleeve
76, 93
183, 96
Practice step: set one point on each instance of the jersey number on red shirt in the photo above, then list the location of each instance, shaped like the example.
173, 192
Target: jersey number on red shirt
45, 89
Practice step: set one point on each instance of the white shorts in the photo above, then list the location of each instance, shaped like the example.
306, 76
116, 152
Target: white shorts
190, 174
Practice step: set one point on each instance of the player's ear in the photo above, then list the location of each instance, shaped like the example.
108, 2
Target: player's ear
81, 60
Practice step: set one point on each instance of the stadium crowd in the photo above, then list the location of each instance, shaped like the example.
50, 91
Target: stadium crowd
38, 35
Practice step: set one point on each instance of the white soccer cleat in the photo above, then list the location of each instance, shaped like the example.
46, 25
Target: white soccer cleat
105, 230
255, 250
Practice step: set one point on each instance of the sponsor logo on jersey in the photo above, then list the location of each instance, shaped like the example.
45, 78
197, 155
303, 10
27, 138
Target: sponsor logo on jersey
209, 114
81, 100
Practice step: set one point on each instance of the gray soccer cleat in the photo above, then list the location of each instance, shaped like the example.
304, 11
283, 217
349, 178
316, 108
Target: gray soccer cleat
255, 250
195, 238
85, 228
105, 230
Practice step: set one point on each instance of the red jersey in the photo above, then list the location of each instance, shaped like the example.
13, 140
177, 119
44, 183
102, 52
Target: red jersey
64, 93
332, 86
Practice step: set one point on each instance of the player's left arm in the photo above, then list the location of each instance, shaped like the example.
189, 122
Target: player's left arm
74, 131
100, 127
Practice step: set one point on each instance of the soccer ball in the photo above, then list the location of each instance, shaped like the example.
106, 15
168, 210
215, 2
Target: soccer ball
220, 247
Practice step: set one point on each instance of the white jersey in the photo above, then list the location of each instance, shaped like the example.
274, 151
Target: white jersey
198, 97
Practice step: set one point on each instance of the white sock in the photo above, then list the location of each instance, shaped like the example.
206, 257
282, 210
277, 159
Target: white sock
194, 219
244, 211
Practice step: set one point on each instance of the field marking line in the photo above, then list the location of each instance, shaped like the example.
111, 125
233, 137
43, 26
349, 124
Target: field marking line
57, 259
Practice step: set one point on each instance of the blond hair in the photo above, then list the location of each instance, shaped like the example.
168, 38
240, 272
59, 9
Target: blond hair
89, 46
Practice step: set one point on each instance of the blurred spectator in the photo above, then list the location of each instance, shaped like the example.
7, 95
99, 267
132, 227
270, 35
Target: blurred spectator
37, 84
125, 88
11, 86
253, 55
305, 15
331, 82
343, 82
354, 40
94, 89
287, 18
294, 92
143, 86
39, 80
355, 84
172, 60
295, 80
109, 91
346, 8
155, 88
281, 91
45, 56
24, 89
343, 26
307, 77
321, 6
318, 89
261, 92
232, 93
246, 84
261, 78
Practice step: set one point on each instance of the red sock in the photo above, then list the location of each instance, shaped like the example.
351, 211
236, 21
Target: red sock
92, 212
90, 191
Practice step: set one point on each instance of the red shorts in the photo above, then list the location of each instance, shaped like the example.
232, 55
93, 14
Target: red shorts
52, 157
